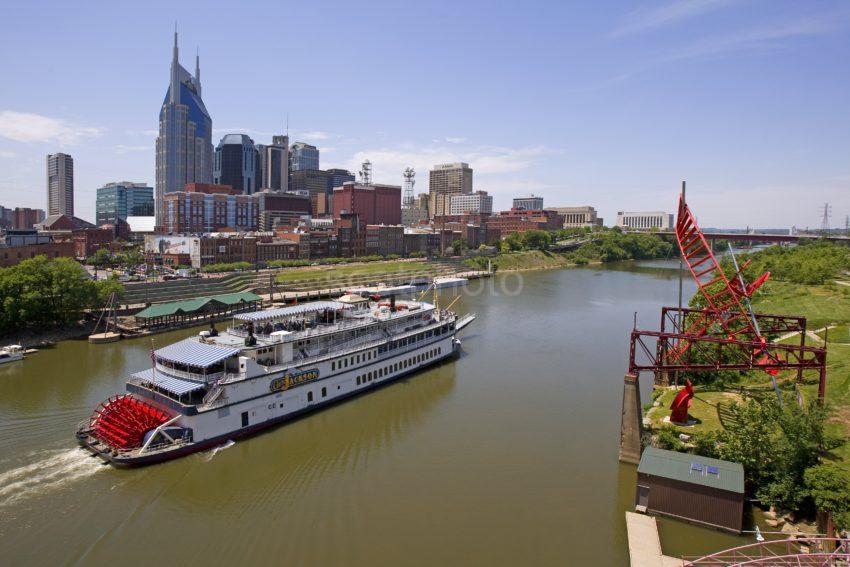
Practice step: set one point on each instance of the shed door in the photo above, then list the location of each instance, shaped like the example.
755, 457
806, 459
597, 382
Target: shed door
643, 496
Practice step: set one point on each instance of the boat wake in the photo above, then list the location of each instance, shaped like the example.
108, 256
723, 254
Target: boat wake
53, 471
215, 450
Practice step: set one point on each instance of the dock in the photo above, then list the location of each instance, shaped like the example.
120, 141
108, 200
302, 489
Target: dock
645, 543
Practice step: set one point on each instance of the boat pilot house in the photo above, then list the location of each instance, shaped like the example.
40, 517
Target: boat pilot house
691, 488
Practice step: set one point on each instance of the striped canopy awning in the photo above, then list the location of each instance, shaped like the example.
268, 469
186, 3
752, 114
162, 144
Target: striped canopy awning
176, 386
311, 307
195, 353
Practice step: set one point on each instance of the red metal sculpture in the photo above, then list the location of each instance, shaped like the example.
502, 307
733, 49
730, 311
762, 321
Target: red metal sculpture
681, 404
725, 334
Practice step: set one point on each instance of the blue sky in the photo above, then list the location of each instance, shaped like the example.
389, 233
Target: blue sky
604, 103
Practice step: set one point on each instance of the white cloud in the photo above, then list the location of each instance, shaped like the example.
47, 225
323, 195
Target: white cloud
5, 154
122, 149
759, 38
388, 163
647, 19
453, 140
28, 127
314, 135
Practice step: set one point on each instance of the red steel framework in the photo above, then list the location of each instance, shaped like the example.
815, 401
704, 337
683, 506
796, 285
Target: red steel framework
809, 551
726, 334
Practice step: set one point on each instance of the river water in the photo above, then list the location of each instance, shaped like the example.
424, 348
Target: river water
505, 456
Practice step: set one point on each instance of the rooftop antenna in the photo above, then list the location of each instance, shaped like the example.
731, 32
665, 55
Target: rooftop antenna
287, 125
366, 173
409, 182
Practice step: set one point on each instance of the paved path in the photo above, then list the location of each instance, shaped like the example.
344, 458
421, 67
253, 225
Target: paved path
645, 544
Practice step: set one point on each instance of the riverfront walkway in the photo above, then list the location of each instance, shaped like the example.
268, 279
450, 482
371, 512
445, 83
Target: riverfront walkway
645, 544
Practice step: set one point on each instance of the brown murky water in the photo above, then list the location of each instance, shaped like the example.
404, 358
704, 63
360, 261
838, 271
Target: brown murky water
505, 456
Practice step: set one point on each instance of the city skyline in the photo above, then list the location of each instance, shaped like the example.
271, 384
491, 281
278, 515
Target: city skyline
674, 90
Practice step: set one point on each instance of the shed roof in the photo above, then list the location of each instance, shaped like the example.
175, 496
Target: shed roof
300, 309
684, 467
192, 305
177, 386
194, 353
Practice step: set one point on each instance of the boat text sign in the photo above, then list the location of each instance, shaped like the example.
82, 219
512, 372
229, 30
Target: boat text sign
293, 379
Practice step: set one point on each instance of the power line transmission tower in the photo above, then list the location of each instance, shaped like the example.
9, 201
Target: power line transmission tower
366, 173
827, 213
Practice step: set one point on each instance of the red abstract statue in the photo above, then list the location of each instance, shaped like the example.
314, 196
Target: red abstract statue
681, 404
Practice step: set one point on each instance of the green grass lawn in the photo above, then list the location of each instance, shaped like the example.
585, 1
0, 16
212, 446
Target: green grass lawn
838, 334
530, 260
332, 273
821, 305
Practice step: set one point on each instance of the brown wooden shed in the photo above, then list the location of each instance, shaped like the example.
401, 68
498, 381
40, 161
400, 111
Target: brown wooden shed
691, 488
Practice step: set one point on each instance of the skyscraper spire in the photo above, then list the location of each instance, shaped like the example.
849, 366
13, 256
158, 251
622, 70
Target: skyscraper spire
198, 70
175, 72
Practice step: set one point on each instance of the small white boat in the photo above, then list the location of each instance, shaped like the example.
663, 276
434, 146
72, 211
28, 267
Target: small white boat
440, 283
383, 290
11, 353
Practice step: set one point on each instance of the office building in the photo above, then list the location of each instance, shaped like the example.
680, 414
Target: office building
273, 164
373, 204
119, 200
184, 150
60, 184
336, 177
578, 217
530, 203
303, 156
236, 163
20, 218
478, 203
311, 181
202, 207
281, 209
645, 220
445, 181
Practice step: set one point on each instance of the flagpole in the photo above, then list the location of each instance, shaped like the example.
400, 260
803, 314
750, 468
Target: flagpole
153, 363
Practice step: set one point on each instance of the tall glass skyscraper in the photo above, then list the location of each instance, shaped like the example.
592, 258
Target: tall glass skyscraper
122, 199
184, 151
303, 156
60, 185
236, 163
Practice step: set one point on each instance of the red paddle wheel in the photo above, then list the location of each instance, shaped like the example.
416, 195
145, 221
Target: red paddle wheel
121, 422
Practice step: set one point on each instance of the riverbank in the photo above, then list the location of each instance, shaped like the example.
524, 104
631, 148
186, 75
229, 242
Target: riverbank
524, 261
824, 306
41, 338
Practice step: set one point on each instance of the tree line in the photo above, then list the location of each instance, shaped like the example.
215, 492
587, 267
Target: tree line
40, 293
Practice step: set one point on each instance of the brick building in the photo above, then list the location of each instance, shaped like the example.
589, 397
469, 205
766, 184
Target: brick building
278, 249
19, 245
223, 249
521, 220
204, 207
374, 204
384, 239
